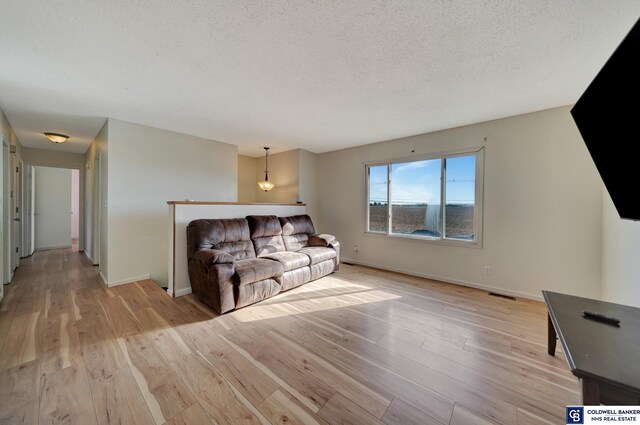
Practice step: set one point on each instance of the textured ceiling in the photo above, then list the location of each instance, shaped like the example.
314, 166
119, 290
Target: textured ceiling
318, 75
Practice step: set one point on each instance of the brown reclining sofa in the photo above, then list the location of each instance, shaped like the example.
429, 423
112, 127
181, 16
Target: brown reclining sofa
240, 261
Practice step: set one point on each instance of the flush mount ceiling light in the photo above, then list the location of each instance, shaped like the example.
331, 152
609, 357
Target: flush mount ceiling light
265, 184
57, 137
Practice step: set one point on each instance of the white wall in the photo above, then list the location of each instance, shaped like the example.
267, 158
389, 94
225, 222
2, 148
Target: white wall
146, 168
247, 182
620, 250
52, 206
542, 208
307, 182
75, 204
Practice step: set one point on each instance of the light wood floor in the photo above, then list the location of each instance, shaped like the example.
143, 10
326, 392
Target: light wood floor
360, 347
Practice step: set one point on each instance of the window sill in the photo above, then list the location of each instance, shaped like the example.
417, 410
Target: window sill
428, 240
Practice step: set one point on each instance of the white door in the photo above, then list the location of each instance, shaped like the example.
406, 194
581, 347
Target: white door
30, 217
53, 208
2, 198
97, 208
75, 204
16, 213
6, 214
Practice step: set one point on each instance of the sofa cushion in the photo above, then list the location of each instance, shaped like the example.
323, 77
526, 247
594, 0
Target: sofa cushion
257, 291
290, 260
297, 224
296, 230
255, 269
213, 256
294, 278
263, 225
322, 269
318, 254
266, 234
228, 235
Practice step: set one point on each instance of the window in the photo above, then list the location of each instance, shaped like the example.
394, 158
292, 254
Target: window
405, 198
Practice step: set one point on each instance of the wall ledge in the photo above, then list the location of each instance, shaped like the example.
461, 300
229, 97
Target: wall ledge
225, 203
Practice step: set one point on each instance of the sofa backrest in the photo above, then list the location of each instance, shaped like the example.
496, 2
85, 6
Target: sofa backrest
228, 235
296, 230
266, 234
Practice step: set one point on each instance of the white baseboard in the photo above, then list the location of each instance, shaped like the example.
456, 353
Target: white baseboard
446, 280
1, 295
181, 292
46, 248
104, 281
111, 284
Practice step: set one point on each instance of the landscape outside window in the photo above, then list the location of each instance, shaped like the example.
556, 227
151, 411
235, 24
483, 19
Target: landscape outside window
416, 195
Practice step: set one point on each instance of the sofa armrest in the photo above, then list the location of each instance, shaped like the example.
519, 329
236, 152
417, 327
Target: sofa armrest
322, 240
213, 256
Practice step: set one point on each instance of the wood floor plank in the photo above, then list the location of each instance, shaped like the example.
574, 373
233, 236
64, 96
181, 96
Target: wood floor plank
31, 302
194, 415
281, 408
378, 378
118, 400
23, 342
528, 418
402, 413
65, 398
7, 309
340, 410
164, 392
213, 392
57, 302
314, 392
102, 354
19, 394
339, 381
121, 318
243, 373
463, 416
61, 344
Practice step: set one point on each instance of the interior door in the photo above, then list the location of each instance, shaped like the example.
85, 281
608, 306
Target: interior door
30, 203
97, 208
3, 279
53, 208
16, 213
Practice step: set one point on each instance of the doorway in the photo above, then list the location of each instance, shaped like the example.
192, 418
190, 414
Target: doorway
56, 207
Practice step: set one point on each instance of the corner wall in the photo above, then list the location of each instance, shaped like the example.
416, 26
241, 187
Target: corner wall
542, 208
146, 168
620, 250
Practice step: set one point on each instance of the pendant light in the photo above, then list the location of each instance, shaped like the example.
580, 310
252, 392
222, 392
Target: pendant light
265, 184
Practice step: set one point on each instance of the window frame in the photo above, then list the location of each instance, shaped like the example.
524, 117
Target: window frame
442, 240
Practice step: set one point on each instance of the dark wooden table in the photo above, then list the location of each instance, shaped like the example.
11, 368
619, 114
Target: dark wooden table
606, 358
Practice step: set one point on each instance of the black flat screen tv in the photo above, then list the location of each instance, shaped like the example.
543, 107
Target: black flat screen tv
608, 117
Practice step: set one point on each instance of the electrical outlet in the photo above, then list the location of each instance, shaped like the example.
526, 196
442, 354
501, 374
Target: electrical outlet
487, 270
356, 248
